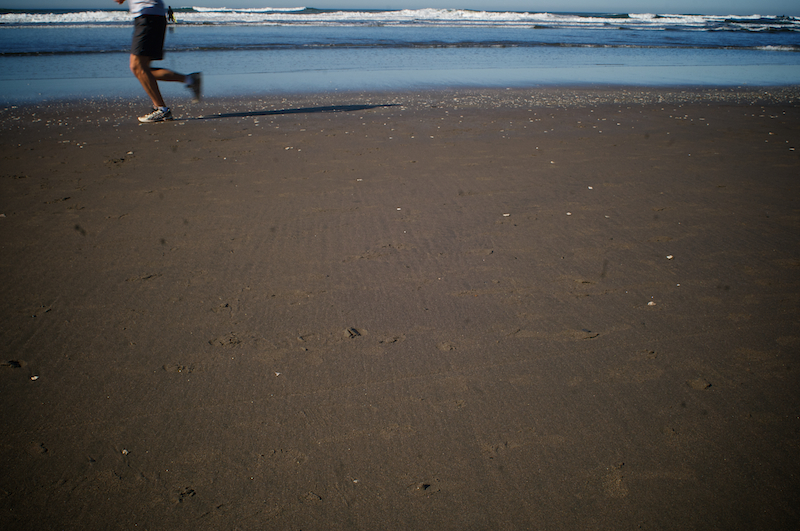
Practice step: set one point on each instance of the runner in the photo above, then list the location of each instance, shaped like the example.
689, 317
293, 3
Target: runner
150, 24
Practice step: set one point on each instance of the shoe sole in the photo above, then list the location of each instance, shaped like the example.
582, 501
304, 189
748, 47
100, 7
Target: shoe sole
155, 121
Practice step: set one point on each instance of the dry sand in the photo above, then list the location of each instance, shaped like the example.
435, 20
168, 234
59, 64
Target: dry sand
507, 310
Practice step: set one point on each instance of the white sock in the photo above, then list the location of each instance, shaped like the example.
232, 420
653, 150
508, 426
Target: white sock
163, 109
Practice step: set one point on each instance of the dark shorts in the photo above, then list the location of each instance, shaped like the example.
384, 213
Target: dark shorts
148, 36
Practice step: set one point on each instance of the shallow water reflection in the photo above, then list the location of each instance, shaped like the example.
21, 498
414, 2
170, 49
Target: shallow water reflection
232, 73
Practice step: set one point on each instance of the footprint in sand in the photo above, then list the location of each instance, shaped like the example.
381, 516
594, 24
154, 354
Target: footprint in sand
38, 449
352, 333
185, 495
227, 340
700, 384
424, 488
392, 339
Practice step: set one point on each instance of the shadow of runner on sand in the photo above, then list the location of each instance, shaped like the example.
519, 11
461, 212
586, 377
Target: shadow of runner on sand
303, 110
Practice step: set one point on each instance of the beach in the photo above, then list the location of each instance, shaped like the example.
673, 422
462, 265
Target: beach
550, 308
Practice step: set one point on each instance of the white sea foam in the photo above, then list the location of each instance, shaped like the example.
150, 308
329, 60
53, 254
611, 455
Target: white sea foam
81, 17
421, 17
785, 48
247, 10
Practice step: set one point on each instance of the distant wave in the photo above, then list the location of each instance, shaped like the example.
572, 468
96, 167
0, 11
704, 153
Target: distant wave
418, 17
784, 48
247, 10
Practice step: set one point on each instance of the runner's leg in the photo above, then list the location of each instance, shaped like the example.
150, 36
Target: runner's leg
140, 66
163, 74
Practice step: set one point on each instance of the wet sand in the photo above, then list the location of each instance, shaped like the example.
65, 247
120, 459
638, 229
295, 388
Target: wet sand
562, 309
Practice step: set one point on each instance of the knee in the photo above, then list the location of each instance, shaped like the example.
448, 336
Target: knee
137, 65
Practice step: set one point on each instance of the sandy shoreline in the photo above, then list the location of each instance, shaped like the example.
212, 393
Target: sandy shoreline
397, 311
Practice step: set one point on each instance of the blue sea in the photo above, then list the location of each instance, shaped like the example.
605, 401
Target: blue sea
80, 54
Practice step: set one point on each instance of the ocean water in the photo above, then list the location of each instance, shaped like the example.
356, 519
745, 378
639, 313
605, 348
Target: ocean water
77, 54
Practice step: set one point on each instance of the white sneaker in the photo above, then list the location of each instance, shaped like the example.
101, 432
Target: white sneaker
156, 116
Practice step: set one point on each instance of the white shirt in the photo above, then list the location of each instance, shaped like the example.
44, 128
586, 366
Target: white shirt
147, 7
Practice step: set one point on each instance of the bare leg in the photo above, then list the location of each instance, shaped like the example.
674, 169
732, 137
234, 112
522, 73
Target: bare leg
162, 74
140, 66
